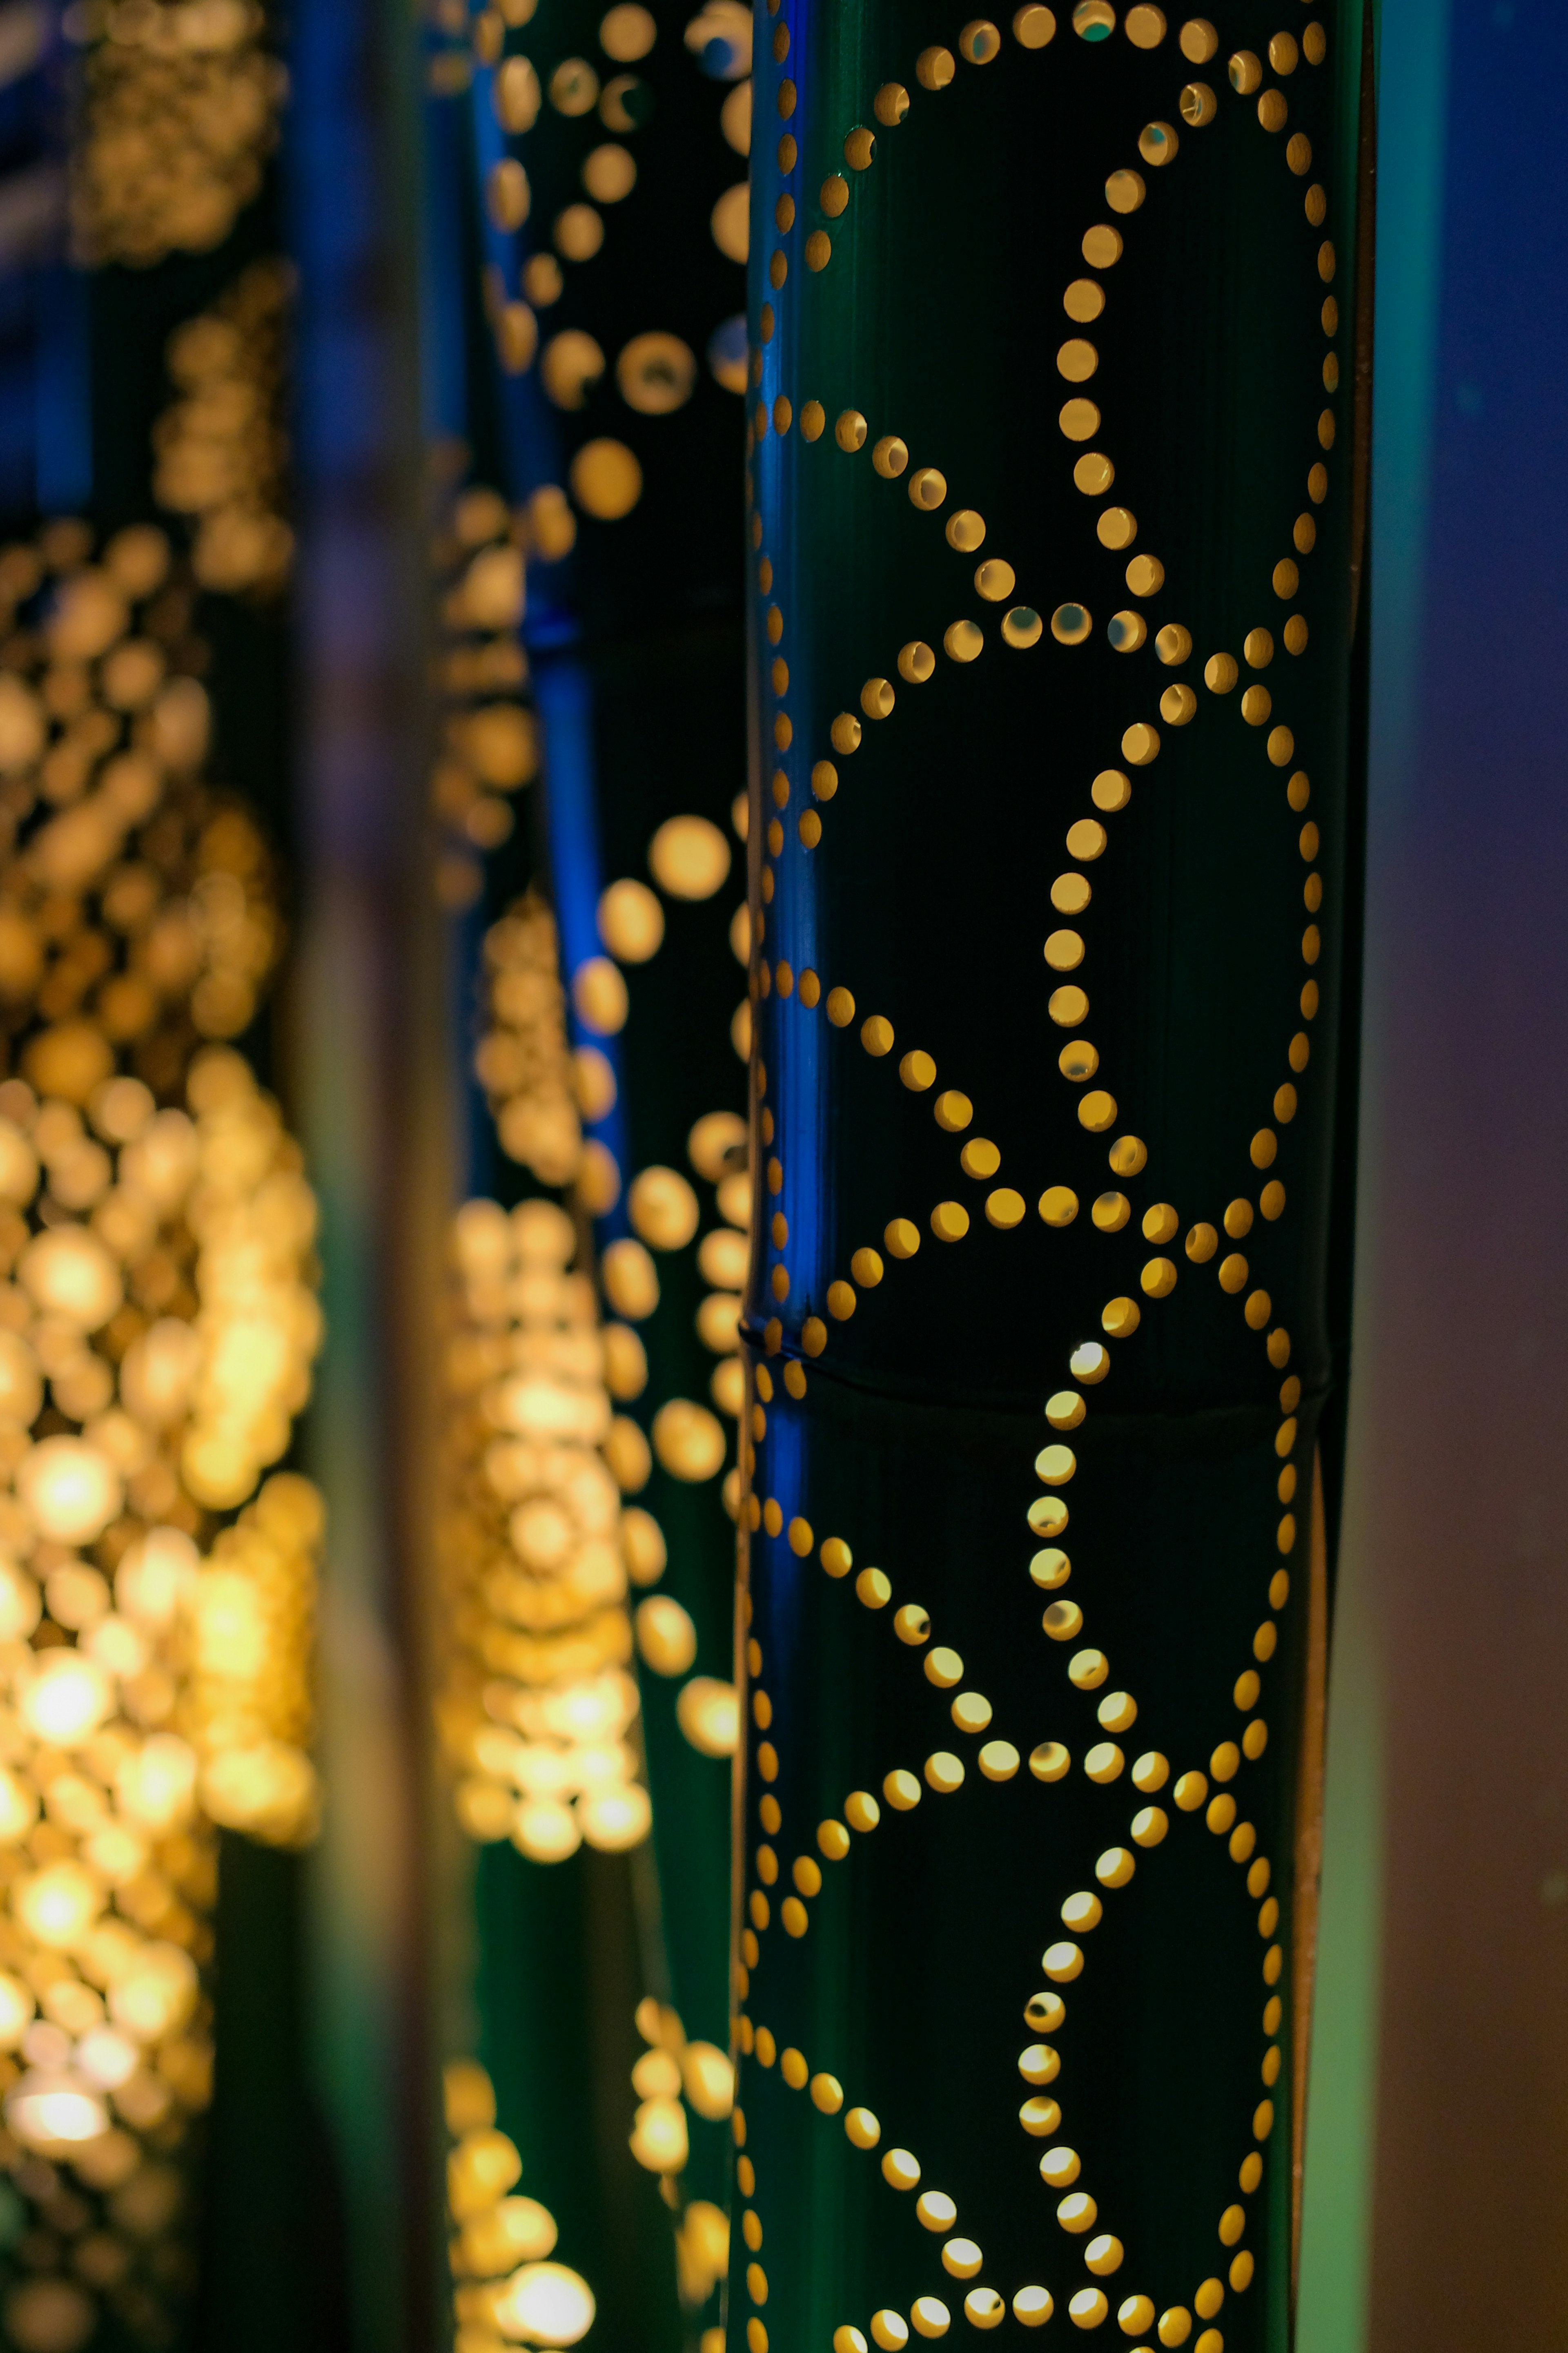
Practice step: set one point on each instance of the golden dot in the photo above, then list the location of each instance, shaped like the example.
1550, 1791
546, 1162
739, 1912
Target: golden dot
1077, 360
849, 430
1190, 1791
1083, 302
999, 1760
1118, 1712
1032, 27
996, 580
1005, 1207
1070, 624
889, 2330
875, 1033
1140, 744
1149, 1825
1048, 1762
1063, 1621
861, 1810
835, 1557
1221, 1813
1097, 1111
1120, 1318
873, 1589
1157, 144
1115, 1867
916, 662
1087, 1670
605, 480
876, 699
1079, 420
979, 42
1101, 246
901, 1237
1263, 1147
890, 105
962, 640
890, 457
1197, 104
1033, 2306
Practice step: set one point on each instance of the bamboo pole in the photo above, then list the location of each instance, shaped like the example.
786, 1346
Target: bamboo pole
1055, 829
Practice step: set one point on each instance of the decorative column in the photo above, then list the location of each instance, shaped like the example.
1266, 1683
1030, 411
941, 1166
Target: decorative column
1055, 826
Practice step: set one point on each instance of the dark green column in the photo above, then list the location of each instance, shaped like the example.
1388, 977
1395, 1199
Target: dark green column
1055, 829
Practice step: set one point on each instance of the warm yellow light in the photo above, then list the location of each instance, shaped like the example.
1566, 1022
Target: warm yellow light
269, 1790
16, 2007
156, 1576
67, 1271
20, 1607
107, 2058
155, 1992
710, 2080
482, 2168
666, 1637
57, 1905
70, 1489
157, 1372
545, 1832
19, 1808
230, 1629
659, 2139
616, 1817
21, 1383
546, 2304
46, 2110
518, 2230
157, 1784
67, 1699
709, 1713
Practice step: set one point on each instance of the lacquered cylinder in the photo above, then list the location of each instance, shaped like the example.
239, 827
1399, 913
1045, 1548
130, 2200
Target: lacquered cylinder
1054, 836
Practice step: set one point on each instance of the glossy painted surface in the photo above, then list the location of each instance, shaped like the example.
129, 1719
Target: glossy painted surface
921, 883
